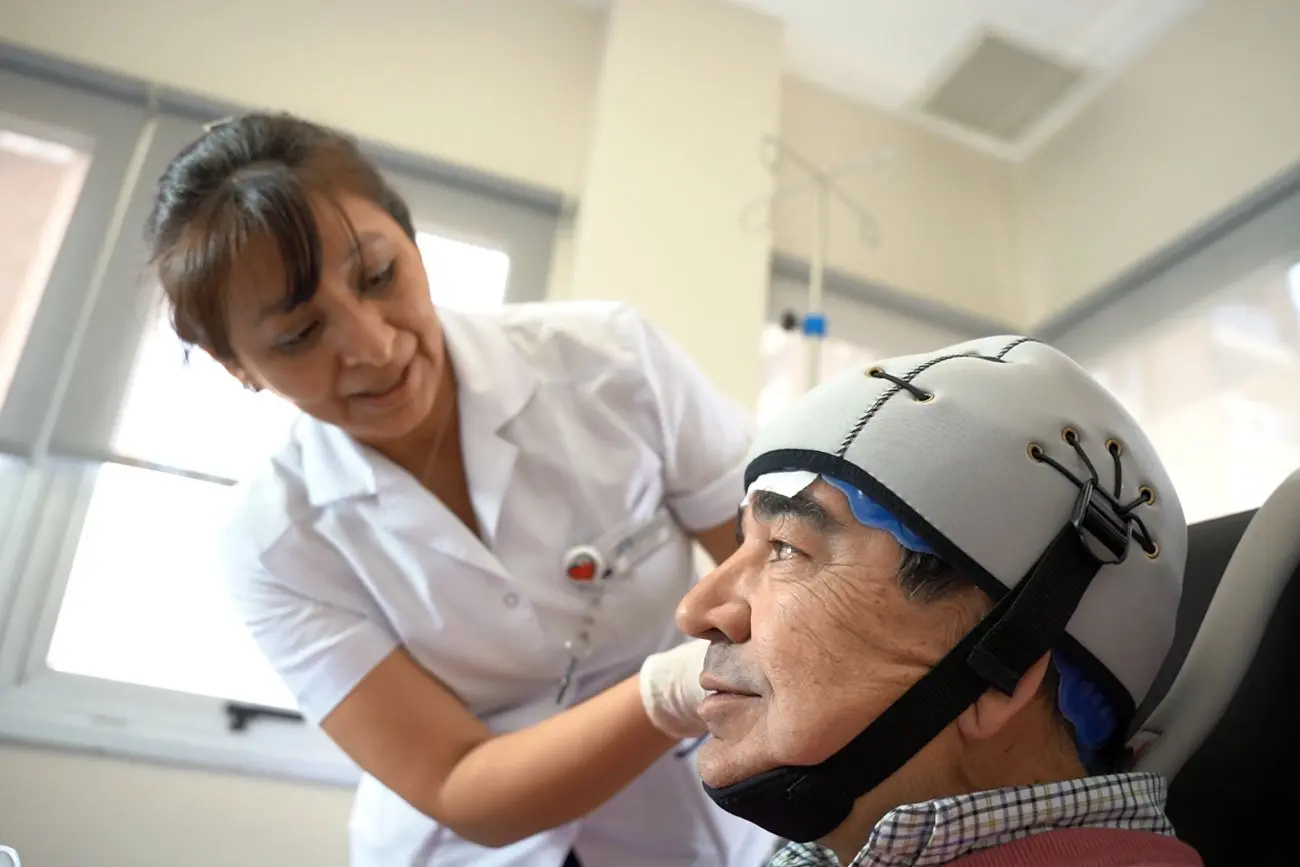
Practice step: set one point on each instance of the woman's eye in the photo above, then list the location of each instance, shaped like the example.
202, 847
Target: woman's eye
298, 339
380, 280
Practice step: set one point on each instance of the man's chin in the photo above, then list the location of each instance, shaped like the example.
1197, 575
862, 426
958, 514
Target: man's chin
723, 764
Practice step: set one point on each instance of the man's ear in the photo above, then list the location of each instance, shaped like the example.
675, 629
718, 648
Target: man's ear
995, 709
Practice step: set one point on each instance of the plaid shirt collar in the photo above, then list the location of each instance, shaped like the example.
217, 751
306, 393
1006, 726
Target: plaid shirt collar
937, 832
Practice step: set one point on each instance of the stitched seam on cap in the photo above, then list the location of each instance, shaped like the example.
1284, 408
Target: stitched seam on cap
1013, 344
909, 377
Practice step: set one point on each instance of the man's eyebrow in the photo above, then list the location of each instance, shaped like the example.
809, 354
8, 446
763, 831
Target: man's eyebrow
767, 506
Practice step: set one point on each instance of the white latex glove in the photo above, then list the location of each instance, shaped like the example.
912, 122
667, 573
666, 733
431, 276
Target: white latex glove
670, 689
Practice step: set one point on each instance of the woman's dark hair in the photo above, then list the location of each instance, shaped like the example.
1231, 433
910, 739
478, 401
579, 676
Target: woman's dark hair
252, 177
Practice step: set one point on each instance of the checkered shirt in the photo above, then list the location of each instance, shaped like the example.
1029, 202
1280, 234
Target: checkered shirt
937, 832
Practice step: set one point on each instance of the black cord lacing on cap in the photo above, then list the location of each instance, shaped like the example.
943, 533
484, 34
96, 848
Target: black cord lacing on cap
915, 390
1124, 510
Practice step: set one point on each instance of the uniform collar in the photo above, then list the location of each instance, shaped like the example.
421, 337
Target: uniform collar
334, 465
494, 378
495, 382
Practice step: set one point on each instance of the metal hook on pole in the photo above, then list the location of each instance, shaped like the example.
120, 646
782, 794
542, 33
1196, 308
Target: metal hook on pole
824, 185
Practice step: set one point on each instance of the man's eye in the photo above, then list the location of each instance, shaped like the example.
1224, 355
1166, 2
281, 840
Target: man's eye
783, 550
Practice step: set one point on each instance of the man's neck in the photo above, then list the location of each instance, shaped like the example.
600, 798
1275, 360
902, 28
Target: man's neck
1017, 770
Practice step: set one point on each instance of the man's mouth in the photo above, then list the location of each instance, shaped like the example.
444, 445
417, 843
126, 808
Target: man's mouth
715, 686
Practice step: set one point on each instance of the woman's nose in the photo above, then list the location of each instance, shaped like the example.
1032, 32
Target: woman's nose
365, 337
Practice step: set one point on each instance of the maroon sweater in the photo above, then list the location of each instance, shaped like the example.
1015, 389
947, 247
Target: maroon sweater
1086, 847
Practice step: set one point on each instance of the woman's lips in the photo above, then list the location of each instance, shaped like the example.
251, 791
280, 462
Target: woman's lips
391, 393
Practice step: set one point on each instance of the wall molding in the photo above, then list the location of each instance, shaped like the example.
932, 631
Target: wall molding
788, 267
1163, 260
1251, 206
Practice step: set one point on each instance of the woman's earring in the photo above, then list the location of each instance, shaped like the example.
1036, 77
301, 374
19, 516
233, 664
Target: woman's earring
253, 387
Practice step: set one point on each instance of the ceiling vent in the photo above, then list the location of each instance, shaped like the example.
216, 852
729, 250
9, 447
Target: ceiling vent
1001, 89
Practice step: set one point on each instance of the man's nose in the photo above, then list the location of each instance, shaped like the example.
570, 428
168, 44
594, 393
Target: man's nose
717, 608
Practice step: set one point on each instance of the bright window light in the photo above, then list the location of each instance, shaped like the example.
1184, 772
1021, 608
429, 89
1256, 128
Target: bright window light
145, 603
1214, 388
464, 276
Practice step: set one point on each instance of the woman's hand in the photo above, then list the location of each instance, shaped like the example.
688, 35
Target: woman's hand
671, 691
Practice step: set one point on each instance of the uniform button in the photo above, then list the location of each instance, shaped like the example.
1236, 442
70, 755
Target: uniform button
512, 600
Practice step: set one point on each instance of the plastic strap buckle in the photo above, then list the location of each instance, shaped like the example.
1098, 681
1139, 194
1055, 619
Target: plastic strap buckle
1100, 525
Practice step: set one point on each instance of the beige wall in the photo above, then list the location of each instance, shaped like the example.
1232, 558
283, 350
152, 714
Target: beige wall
501, 85
70, 809
686, 89
945, 212
509, 87
1210, 114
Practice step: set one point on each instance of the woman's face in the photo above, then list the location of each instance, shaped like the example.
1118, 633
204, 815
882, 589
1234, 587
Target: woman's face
365, 353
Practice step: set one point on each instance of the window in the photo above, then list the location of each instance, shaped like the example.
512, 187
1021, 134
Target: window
464, 276
118, 449
143, 604
183, 410
152, 530
40, 181
1217, 389
1206, 356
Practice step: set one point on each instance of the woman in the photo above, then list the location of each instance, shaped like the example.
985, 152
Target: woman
466, 560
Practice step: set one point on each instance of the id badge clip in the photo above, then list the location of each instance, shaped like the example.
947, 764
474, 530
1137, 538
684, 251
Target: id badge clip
585, 566
588, 565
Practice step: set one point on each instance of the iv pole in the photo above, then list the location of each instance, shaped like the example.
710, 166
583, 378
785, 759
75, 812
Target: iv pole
823, 185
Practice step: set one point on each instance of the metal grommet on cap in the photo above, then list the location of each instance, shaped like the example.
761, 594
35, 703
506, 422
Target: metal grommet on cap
1148, 492
918, 394
1154, 552
1115, 447
1035, 452
1070, 435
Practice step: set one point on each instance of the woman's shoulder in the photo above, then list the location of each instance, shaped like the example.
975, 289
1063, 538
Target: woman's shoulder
268, 504
570, 336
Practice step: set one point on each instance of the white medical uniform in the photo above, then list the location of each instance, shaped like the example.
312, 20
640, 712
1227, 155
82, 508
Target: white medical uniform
581, 425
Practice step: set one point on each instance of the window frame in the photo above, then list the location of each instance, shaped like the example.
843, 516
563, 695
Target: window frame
111, 127
1254, 242
1260, 231
52, 441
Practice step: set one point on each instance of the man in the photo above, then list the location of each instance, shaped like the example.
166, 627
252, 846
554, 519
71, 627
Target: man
959, 577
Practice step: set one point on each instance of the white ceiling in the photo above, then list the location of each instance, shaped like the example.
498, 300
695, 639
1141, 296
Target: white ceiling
892, 53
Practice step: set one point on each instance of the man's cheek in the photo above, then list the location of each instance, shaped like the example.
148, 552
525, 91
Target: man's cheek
799, 732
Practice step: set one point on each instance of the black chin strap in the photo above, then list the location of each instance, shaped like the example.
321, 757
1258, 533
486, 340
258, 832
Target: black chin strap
807, 803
